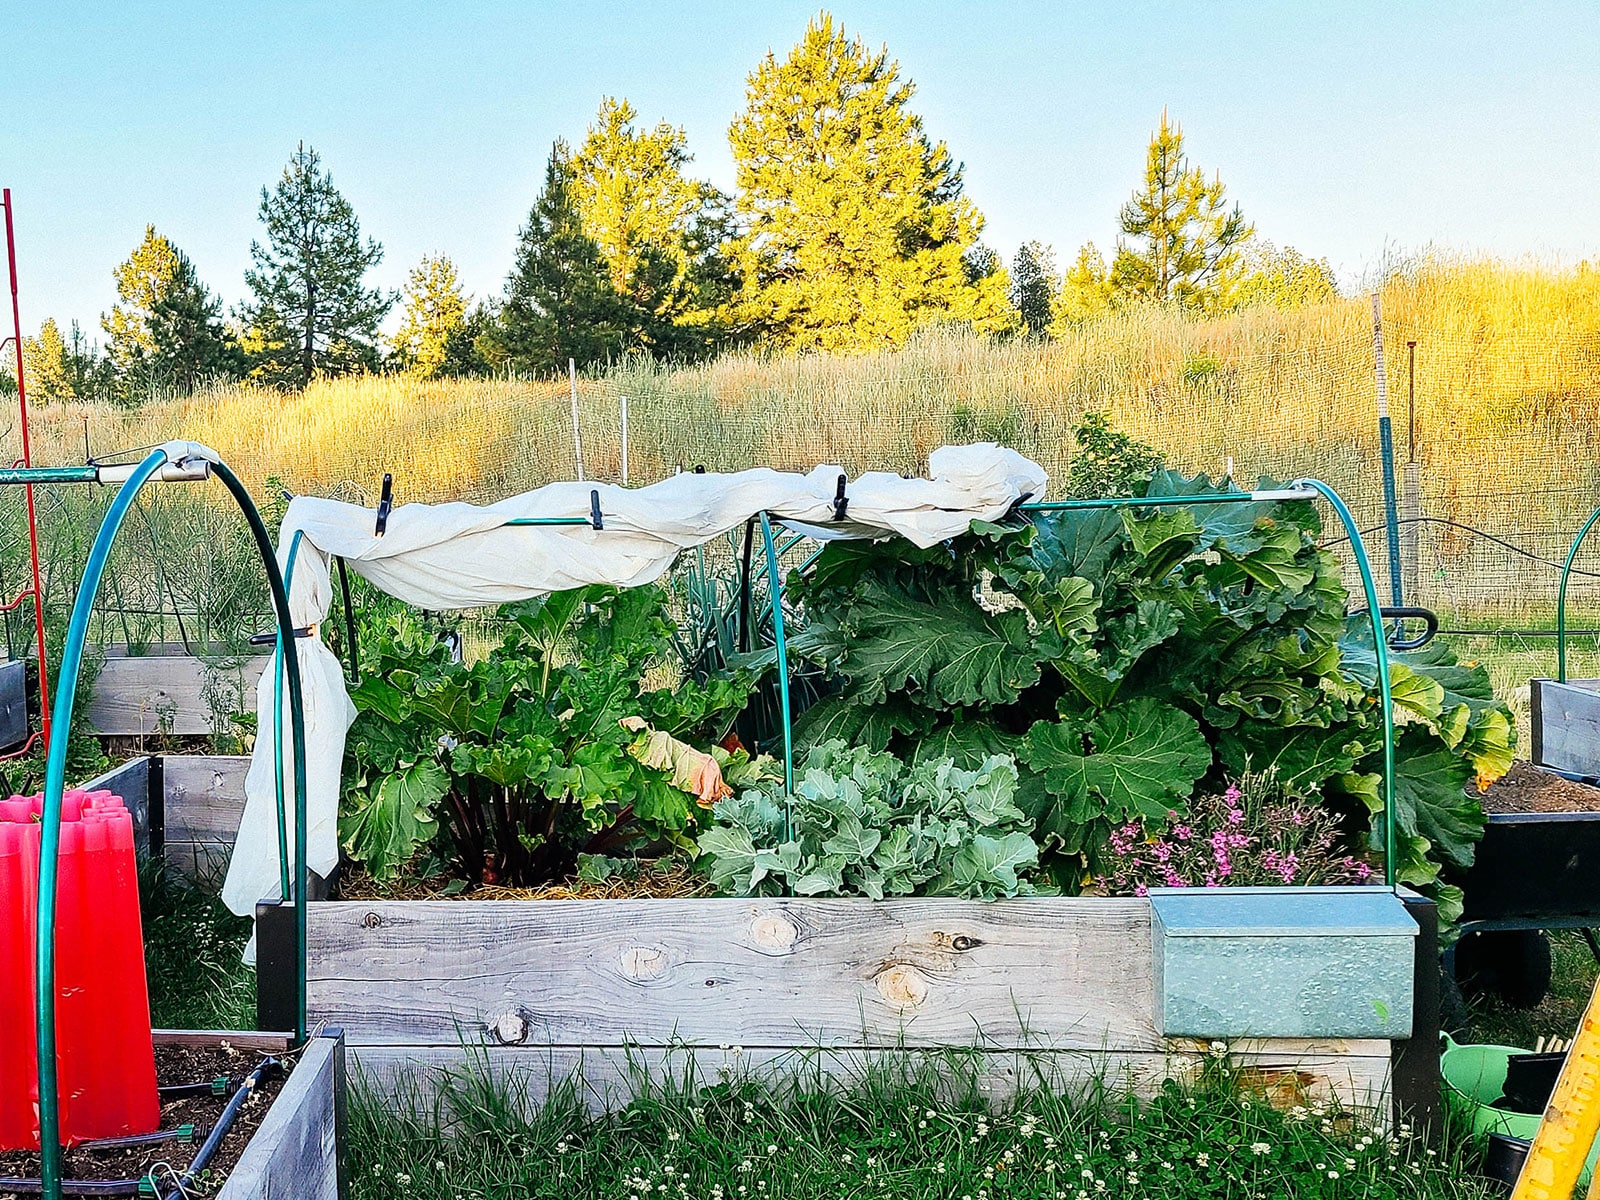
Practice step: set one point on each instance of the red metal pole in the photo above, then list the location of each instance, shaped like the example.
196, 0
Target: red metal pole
27, 461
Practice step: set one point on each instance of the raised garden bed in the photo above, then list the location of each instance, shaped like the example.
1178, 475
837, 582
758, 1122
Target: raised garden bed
1054, 989
1051, 987
283, 1144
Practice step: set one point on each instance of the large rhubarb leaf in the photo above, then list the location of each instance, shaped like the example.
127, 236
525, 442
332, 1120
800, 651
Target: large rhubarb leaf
1138, 760
949, 653
395, 818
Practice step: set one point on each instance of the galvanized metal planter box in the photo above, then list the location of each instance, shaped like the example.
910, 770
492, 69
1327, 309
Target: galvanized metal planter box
1283, 962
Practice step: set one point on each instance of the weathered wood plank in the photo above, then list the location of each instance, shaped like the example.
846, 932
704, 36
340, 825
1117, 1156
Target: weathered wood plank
1567, 725
204, 796
169, 694
295, 1150
268, 1043
1355, 1074
1045, 973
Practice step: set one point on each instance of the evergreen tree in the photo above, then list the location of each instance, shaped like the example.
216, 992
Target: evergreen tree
856, 229
1185, 242
1033, 281
435, 309
660, 233
311, 312
560, 302
190, 344
45, 368
90, 373
142, 281
1086, 292
468, 349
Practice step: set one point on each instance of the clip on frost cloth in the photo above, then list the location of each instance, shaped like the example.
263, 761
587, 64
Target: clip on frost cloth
841, 502
385, 503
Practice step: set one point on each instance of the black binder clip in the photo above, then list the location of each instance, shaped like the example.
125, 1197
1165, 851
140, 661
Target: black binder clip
594, 510
841, 502
385, 503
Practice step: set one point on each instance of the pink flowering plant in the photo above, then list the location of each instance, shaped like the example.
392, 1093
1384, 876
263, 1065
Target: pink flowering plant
1253, 834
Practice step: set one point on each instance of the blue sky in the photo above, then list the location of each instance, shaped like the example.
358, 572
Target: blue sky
1341, 128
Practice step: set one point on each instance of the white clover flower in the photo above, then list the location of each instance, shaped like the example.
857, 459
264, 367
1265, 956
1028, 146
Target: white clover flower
1260, 1148
1218, 1049
1202, 1159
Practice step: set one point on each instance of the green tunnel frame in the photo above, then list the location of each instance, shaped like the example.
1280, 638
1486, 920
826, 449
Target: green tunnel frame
286, 670
153, 466
1561, 595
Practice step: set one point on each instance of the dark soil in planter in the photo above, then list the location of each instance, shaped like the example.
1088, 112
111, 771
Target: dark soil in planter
174, 1065
1527, 789
656, 879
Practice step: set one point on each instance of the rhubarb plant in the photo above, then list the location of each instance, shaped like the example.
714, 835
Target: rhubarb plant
510, 767
1126, 657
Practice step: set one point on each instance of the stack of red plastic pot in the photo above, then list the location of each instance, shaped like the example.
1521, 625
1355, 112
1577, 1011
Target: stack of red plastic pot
106, 1075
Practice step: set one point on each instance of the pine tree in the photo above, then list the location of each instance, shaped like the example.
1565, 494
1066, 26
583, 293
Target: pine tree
560, 302
142, 281
660, 233
1033, 281
1185, 242
435, 310
190, 344
855, 224
1086, 292
311, 313
45, 369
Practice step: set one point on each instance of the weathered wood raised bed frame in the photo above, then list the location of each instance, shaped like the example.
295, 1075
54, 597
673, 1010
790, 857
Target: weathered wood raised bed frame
296, 1150
1060, 989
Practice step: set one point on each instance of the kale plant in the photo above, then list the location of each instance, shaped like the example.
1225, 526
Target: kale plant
864, 824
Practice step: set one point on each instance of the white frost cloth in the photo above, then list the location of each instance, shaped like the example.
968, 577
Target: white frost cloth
448, 556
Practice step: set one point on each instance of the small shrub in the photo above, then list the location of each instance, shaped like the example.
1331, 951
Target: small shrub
1109, 462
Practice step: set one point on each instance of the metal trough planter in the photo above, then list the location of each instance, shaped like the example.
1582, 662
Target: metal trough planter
1283, 962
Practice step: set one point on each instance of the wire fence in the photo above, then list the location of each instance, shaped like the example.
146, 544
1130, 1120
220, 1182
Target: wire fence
1497, 459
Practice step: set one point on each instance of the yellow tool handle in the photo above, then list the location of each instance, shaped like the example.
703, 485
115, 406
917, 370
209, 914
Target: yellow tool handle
1570, 1123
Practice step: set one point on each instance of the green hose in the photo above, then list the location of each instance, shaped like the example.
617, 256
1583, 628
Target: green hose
55, 784
1380, 647
775, 586
1561, 597
55, 780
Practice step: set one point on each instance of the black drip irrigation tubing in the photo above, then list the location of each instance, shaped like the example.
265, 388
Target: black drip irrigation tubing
144, 1185
1472, 529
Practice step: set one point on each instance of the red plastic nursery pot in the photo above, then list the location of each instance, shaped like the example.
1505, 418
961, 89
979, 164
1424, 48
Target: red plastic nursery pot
106, 1065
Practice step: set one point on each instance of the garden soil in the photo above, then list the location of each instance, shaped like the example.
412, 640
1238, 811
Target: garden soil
1527, 789
174, 1065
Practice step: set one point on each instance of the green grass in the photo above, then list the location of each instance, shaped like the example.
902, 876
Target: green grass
192, 947
908, 1132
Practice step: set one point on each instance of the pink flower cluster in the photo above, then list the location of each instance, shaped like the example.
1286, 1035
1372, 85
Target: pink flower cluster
1245, 837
